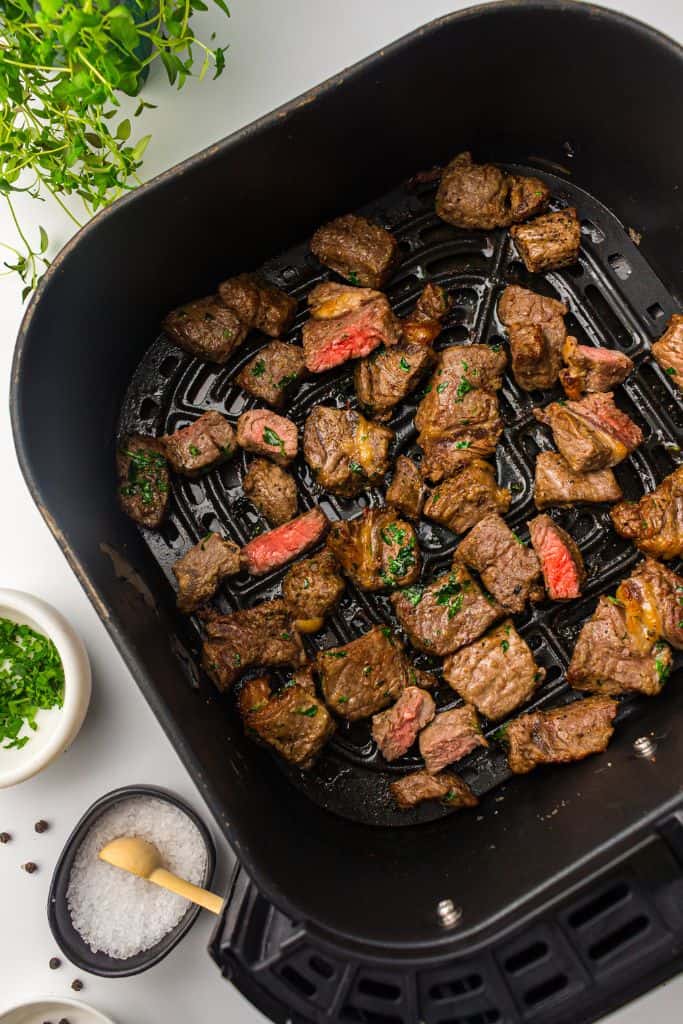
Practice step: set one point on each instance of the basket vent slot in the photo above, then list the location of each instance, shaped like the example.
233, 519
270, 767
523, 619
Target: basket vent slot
655, 311
321, 967
621, 936
359, 1015
620, 265
546, 990
480, 1017
451, 989
526, 957
608, 899
379, 989
304, 986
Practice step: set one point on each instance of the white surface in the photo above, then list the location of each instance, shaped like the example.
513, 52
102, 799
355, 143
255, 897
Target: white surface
38, 1013
278, 49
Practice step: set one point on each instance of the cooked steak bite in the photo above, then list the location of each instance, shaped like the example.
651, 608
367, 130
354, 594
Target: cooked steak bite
564, 734
273, 372
423, 325
451, 736
561, 560
346, 452
519, 305
463, 499
264, 635
377, 550
357, 249
417, 787
591, 433
395, 730
537, 333
483, 196
346, 323
292, 721
655, 523
652, 597
313, 586
205, 444
272, 490
362, 677
592, 369
496, 673
265, 433
406, 492
556, 484
206, 329
386, 377
447, 614
272, 550
143, 480
668, 351
258, 304
508, 568
200, 571
549, 242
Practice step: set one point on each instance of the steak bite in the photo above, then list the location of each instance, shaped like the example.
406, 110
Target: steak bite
376, 550
272, 490
564, 734
451, 736
668, 351
652, 598
264, 635
592, 369
549, 242
466, 497
205, 329
508, 568
272, 550
362, 677
557, 485
483, 196
561, 560
406, 492
417, 787
395, 730
591, 433
496, 673
205, 444
272, 373
423, 325
200, 571
312, 587
346, 452
387, 377
346, 323
265, 433
447, 614
356, 249
655, 523
143, 480
292, 721
537, 333
258, 304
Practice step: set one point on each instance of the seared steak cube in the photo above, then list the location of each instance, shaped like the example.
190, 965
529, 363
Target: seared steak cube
591, 369
447, 614
467, 496
561, 561
364, 676
200, 571
272, 373
537, 333
272, 490
564, 734
356, 249
508, 568
483, 196
346, 452
292, 721
258, 304
451, 736
549, 242
496, 673
386, 377
266, 433
377, 550
312, 587
206, 329
264, 635
655, 523
396, 729
557, 484
652, 597
406, 492
205, 444
417, 787
591, 433
668, 351
519, 305
346, 323
272, 550
423, 325
143, 480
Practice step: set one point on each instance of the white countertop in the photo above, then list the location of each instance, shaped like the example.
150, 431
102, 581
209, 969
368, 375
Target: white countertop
277, 50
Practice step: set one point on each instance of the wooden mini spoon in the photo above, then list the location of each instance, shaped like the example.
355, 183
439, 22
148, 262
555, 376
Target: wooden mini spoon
130, 853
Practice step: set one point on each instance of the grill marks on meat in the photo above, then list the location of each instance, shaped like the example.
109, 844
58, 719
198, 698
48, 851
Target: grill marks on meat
557, 485
450, 737
355, 248
274, 549
508, 568
200, 571
205, 444
273, 372
143, 480
261, 636
564, 734
561, 561
466, 497
206, 329
549, 242
292, 721
258, 304
655, 523
346, 452
483, 196
652, 598
406, 492
414, 789
591, 433
668, 351
496, 673
591, 369
377, 550
265, 433
537, 334
364, 676
312, 587
346, 323
396, 729
272, 490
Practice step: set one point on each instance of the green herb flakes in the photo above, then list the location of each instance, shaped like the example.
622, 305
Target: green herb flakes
273, 439
670, 371
31, 679
464, 388
342, 700
462, 444
194, 450
355, 467
440, 388
413, 595
451, 596
334, 654
404, 364
310, 712
505, 646
353, 278
259, 368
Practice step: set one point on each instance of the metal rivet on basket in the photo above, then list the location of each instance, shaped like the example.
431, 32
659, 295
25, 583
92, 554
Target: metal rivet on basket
449, 914
644, 747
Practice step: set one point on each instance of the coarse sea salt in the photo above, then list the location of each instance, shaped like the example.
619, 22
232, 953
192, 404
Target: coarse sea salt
120, 914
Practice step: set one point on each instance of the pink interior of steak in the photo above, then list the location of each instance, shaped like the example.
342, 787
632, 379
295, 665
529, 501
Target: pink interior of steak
560, 571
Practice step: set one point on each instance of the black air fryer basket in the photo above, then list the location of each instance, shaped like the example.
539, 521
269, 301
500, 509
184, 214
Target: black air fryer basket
561, 896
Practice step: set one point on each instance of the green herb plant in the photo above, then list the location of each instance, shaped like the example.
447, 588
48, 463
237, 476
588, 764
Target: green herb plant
31, 678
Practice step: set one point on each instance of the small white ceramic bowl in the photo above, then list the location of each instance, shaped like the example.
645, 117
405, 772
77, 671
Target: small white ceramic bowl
58, 727
53, 1009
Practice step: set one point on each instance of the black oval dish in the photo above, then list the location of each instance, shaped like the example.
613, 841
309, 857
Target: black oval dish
68, 939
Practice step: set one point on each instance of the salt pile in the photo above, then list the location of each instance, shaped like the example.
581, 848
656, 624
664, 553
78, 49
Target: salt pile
115, 912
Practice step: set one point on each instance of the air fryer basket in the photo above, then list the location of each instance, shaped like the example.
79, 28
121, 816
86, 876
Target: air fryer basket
527, 83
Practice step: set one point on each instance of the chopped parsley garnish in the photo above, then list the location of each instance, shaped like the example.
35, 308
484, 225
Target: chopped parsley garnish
440, 388
386, 631
464, 387
237, 659
615, 601
194, 450
310, 712
227, 332
283, 382
145, 475
404, 364
399, 566
663, 667
505, 645
393, 534
355, 467
538, 676
451, 595
450, 796
367, 670
334, 654
670, 371
518, 540
31, 678
495, 348
342, 700
259, 368
307, 583
273, 439
413, 595
285, 636
353, 278
463, 444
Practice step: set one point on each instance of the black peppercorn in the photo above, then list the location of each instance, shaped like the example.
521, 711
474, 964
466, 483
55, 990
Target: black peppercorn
4, 837
29, 867
55, 962
41, 826
77, 985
